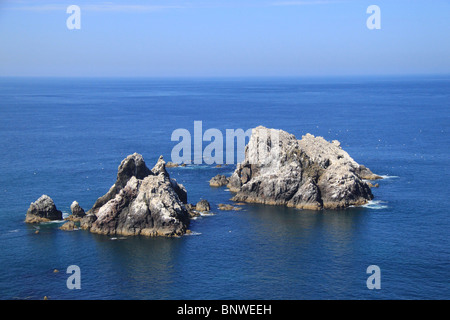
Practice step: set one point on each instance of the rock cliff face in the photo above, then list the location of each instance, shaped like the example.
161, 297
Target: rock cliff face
141, 202
42, 210
310, 173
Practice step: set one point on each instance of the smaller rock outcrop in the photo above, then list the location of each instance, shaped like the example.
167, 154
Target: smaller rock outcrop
42, 210
171, 164
219, 181
203, 205
191, 210
77, 212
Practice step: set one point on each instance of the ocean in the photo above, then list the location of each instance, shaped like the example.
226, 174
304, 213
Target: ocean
66, 138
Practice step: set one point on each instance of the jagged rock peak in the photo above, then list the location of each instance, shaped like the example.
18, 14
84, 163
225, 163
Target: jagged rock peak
160, 167
141, 202
132, 166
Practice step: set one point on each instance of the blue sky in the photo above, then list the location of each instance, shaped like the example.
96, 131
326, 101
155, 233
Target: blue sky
169, 38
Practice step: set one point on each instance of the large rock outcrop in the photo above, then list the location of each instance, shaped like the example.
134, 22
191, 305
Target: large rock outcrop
141, 202
43, 210
310, 173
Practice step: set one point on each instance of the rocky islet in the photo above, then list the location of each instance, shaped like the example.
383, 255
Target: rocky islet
310, 173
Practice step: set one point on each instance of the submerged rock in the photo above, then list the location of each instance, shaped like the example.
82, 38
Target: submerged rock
141, 202
228, 207
42, 210
310, 173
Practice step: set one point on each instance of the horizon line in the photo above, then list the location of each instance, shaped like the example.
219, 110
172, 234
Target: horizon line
228, 76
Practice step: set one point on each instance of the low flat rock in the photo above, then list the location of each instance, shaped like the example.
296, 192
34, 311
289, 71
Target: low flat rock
228, 207
69, 226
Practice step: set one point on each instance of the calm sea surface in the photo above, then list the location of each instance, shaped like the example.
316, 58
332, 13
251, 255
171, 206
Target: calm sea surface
66, 138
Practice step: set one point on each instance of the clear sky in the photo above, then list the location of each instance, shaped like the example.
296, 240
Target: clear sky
224, 38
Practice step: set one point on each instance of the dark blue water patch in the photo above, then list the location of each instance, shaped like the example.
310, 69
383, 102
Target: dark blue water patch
66, 138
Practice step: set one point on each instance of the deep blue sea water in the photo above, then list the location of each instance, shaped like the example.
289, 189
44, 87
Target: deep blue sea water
66, 138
